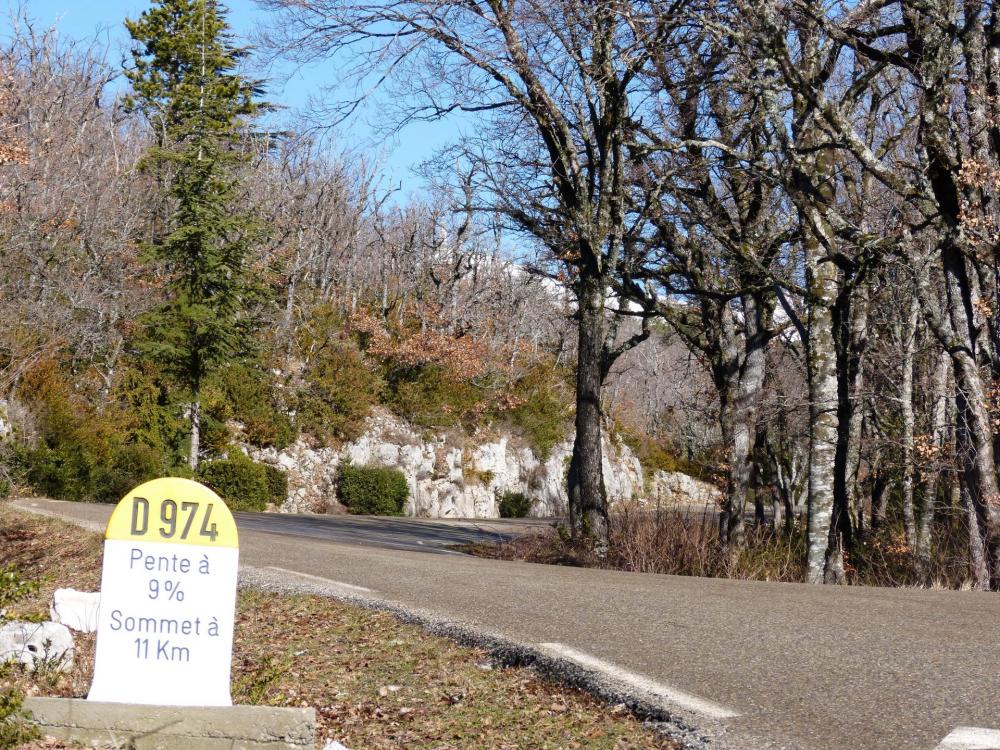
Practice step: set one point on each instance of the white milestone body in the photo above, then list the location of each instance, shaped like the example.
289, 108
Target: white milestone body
165, 628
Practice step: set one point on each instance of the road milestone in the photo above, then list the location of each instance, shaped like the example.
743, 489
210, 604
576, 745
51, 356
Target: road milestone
168, 598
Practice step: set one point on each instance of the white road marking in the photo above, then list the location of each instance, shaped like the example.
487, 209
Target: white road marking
971, 738
655, 690
341, 584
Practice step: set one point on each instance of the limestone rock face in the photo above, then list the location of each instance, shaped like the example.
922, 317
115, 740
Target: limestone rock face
5, 426
37, 644
312, 474
456, 477
677, 488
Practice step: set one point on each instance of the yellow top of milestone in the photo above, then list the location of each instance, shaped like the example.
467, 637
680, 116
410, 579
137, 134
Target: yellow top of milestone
173, 510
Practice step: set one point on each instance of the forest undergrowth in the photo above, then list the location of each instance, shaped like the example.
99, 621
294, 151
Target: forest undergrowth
679, 540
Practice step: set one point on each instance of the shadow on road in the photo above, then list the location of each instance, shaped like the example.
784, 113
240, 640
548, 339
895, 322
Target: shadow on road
390, 533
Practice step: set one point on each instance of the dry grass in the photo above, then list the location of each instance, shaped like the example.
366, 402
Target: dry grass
679, 541
375, 683
378, 684
670, 541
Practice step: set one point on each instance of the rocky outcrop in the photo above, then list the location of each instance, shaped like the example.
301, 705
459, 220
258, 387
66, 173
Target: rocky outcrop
676, 488
451, 477
6, 429
312, 475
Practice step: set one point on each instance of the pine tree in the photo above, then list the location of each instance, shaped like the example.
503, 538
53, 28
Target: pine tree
185, 82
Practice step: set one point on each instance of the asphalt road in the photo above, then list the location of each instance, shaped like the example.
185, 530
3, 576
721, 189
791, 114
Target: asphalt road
415, 534
758, 665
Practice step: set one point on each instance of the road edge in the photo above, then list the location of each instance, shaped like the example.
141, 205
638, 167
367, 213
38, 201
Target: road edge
693, 732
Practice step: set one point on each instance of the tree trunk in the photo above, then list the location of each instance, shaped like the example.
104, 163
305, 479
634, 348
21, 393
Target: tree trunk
740, 379
588, 508
939, 427
731, 503
909, 340
814, 193
777, 512
976, 454
195, 433
880, 501
823, 422
850, 320
858, 345
977, 549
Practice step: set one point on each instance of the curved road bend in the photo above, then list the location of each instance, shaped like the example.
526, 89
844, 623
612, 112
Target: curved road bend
775, 665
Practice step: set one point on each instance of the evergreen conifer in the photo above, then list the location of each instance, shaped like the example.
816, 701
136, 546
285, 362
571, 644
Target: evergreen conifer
185, 81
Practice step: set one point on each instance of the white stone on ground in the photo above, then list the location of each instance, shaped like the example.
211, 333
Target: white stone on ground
37, 644
76, 610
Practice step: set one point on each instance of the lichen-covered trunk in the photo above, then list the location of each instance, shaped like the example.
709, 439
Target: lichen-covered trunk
588, 507
822, 371
932, 475
740, 380
727, 423
740, 471
975, 452
880, 500
850, 320
777, 512
195, 433
909, 339
963, 207
977, 547
822, 443
814, 193
976, 434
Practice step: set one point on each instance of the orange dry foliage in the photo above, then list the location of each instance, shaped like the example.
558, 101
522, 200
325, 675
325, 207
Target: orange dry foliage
465, 357
11, 149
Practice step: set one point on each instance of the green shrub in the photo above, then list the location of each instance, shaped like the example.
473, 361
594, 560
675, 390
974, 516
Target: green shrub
239, 481
84, 453
66, 472
338, 392
15, 728
245, 393
372, 490
131, 466
277, 484
13, 586
151, 413
428, 396
544, 410
514, 505
72, 472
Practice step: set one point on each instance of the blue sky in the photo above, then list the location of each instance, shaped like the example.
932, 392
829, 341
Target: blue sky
288, 86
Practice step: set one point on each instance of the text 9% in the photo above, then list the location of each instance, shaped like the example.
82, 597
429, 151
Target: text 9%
170, 589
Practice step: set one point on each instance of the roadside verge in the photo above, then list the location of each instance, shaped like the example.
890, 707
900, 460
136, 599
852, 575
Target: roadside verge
378, 674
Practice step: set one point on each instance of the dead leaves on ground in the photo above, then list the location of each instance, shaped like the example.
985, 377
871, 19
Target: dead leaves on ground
375, 683
378, 684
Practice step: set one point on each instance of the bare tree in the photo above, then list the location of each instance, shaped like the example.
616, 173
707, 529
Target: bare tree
72, 210
940, 56
557, 79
